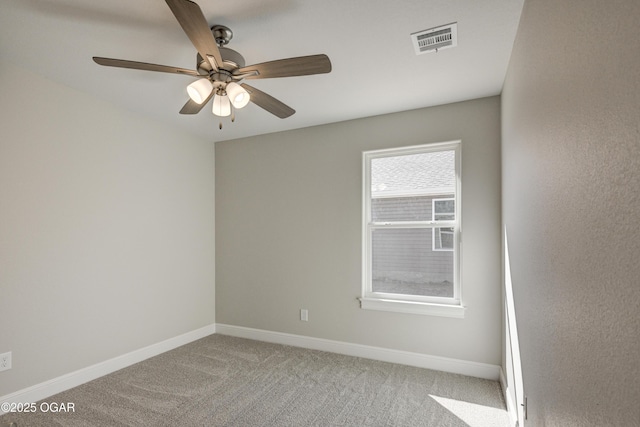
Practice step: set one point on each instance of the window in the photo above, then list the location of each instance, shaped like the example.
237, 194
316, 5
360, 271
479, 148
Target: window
411, 229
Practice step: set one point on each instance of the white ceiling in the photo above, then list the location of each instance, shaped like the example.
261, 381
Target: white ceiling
375, 70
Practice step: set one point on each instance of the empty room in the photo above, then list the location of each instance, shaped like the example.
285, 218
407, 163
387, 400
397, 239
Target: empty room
322, 213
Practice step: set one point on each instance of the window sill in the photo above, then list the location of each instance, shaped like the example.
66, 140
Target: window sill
429, 309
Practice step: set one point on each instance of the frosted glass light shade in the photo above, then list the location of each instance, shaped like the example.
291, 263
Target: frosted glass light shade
199, 90
238, 96
221, 105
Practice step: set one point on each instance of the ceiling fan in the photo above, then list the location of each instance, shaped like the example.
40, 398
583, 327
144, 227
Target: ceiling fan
221, 70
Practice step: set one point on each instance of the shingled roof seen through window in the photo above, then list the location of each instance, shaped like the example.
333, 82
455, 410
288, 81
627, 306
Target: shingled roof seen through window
424, 173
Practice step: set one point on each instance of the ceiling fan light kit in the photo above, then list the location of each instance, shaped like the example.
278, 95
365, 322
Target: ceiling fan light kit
221, 106
200, 90
238, 95
221, 70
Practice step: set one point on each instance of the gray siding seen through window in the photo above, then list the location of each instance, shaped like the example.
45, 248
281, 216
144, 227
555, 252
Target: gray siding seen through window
403, 258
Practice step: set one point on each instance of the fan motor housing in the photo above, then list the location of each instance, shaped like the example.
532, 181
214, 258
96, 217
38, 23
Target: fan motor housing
232, 60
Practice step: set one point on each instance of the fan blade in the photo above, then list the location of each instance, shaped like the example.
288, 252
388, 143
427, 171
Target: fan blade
192, 107
121, 63
195, 25
290, 67
268, 102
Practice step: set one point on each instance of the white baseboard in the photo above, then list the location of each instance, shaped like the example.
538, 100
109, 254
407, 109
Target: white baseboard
456, 366
511, 407
81, 376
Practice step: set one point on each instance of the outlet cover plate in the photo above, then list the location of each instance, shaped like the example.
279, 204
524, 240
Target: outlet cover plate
5, 361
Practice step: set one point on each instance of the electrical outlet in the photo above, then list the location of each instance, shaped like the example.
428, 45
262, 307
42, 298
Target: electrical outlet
5, 361
304, 315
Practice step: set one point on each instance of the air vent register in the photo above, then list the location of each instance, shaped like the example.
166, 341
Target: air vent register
435, 39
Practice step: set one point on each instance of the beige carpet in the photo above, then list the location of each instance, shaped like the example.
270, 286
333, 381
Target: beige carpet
226, 381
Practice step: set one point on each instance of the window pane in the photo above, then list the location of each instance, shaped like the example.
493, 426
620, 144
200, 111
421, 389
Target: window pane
443, 239
403, 262
402, 187
444, 210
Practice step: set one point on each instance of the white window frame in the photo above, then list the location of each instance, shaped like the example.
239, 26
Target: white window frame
416, 304
433, 218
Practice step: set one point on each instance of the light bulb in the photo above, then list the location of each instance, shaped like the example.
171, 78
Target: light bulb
238, 95
199, 90
221, 105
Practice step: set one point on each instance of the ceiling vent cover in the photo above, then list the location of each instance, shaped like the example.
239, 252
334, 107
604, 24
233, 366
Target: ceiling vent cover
435, 39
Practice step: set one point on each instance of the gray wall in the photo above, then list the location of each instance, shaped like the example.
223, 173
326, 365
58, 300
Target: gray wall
106, 230
288, 231
571, 206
